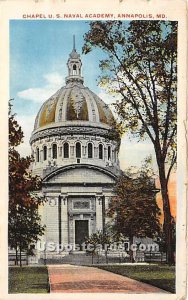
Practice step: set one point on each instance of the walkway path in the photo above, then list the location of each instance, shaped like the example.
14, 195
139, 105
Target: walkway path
79, 279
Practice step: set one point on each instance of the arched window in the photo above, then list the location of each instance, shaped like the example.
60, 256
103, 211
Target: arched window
90, 150
78, 150
54, 151
66, 150
100, 151
37, 155
74, 69
44, 153
109, 152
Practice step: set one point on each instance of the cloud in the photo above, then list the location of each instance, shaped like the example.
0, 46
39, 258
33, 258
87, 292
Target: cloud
39, 94
140, 146
133, 154
107, 98
54, 79
36, 94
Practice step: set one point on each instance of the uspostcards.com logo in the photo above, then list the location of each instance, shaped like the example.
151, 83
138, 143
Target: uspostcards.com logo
120, 247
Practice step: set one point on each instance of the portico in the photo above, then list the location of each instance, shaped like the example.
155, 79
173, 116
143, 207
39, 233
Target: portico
76, 218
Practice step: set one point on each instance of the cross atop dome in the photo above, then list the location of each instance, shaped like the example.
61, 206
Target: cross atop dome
74, 65
74, 54
74, 43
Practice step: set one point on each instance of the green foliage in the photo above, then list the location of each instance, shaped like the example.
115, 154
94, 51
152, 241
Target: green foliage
100, 238
134, 207
28, 280
160, 240
24, 226
140, 69
161, 276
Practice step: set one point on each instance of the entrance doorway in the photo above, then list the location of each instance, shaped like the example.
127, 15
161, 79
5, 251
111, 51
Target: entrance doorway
81, 231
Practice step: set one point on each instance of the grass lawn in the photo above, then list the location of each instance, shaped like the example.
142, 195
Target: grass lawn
28, 280
161, 276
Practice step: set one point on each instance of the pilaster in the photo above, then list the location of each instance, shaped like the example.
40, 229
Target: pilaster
99, 217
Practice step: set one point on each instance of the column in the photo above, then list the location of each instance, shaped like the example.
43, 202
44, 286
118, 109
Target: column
71, 151
59, 220
105, 154
64, 220
103, 214
99, 218
107, 200
49, 152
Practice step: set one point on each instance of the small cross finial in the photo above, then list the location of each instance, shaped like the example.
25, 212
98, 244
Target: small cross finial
74, 47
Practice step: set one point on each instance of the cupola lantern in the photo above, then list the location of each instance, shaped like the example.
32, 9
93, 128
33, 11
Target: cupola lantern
74, 65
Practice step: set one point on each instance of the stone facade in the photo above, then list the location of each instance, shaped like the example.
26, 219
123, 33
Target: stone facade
77, 157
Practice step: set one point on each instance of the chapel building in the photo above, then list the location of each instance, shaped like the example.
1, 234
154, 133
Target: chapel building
76, 153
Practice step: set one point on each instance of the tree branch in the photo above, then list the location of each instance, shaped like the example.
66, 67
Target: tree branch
171, 166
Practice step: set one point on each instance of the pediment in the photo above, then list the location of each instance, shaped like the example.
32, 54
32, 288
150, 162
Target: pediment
80, 174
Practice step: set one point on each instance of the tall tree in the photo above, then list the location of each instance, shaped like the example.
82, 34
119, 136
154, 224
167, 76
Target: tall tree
134, 207
24, 220
141, 70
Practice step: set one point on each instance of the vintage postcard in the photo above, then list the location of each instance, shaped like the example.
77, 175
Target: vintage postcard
94, 177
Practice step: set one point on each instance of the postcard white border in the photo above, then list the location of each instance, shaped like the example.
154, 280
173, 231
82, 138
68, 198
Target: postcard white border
173, 10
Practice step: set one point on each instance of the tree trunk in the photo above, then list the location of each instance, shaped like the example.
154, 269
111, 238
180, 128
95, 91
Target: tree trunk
20, 254
16, 255
20, 257
106, 256
130, 249
167, 213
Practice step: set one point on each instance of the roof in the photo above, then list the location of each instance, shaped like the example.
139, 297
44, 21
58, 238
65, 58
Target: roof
73, 102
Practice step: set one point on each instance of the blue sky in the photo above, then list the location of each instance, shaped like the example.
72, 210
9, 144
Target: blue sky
39, 52
38, 48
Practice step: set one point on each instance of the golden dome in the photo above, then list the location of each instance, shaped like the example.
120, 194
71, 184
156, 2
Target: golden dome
73, 102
